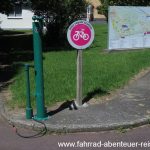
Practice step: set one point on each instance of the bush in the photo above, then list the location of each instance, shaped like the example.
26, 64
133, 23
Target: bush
59, 15
103, 8
5, 6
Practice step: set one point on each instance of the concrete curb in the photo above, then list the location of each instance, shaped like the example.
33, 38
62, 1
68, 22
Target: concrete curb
72, 128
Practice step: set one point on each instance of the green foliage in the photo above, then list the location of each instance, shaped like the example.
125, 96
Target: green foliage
122, 130
59, 15
5, 6
103, 8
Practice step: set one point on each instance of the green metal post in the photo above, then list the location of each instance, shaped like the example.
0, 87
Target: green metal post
38, 61
29, 110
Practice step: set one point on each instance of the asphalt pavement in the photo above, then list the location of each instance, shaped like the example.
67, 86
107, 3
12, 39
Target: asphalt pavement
9, 140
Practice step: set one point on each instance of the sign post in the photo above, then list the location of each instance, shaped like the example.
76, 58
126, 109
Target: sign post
80, 36
79, 78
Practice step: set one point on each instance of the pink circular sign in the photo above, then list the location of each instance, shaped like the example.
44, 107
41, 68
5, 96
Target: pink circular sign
80, 34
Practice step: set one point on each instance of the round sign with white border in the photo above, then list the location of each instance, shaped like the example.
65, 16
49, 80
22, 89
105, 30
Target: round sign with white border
80, 34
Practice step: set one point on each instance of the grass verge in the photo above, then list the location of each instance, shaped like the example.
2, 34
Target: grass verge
102, 72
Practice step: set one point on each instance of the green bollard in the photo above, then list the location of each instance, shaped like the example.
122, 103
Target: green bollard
38, 63
29, 110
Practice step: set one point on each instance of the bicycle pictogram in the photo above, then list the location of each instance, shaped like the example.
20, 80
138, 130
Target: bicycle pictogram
80, 35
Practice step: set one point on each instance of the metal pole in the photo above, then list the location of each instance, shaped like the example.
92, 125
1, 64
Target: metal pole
29, 110
79, 78
38, 61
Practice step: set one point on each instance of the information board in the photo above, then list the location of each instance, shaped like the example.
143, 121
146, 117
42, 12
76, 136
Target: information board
129, 27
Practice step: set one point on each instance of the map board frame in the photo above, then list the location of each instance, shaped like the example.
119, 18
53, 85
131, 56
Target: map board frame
134, 40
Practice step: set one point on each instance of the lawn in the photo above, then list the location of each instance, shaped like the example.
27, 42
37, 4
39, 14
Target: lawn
102, 72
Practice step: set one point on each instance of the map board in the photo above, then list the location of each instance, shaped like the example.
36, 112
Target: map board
129, 27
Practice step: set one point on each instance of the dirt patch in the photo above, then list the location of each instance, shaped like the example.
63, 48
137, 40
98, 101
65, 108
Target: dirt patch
7, 97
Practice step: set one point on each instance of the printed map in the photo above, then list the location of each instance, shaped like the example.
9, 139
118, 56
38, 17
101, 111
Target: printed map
129, 27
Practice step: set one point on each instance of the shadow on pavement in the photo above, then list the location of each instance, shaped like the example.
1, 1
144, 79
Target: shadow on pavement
71, 104
65, 105
93, 93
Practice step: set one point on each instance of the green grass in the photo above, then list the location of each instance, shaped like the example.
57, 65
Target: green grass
102, 72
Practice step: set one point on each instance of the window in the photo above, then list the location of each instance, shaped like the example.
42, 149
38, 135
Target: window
16, 12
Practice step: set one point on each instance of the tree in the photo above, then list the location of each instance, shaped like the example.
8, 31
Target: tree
59, 15
5, 6
103, 8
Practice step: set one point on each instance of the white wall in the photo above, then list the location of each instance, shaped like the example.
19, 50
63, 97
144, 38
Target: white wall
23, 22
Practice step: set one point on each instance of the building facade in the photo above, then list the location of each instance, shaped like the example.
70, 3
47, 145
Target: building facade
96, 3
19, 18
22, 21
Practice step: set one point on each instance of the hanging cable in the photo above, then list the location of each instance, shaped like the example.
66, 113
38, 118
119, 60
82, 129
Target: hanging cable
39, 134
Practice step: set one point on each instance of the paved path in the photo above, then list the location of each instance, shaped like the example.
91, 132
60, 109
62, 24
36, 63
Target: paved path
98, 21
